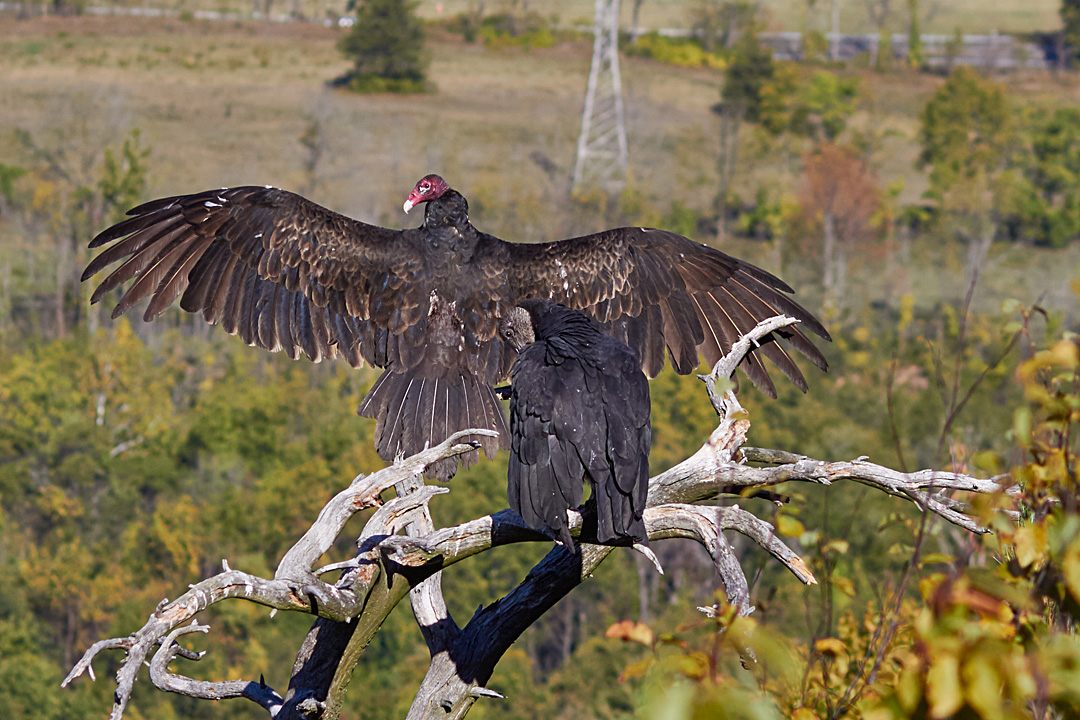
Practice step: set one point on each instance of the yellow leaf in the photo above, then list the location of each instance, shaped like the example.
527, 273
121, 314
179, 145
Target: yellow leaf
1070, 568
840, 546
804, 714
909, 690
634, 670
829, 646
843, 584
943, 686
983, 685
928, 584
630, 631
695, 665
787, 525
931, 558
1031, 546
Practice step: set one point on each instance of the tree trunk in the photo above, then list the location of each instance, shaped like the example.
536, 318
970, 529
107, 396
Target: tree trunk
635, 27
566, 647
840, 274
834, 33
731, 116
828, 254
643, 572
978, 247
778, 254
61, 286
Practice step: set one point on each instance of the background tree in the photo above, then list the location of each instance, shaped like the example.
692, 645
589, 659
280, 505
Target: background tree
966, 135
879, 13
720, 23
387, 48
841, 198
1070, 31
1040, 197
750, 68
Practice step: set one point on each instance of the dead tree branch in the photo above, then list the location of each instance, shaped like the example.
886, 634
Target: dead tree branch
389, 565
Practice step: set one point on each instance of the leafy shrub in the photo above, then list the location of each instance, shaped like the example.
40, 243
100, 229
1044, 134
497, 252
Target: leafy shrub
528, 31
675, 51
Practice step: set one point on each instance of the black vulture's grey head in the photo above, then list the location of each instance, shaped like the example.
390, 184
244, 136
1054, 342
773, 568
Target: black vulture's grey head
516, 328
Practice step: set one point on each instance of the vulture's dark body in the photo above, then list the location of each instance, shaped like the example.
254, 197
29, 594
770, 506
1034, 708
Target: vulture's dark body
286, 274
579, 410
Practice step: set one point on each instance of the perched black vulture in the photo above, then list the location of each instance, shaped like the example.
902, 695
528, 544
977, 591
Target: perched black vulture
286, 274
579, 410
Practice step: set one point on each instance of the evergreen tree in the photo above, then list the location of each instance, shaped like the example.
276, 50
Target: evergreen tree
387, 48
1070, 20
965, 130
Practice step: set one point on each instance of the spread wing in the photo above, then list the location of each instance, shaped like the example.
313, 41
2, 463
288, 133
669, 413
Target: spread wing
274, 268
653, 290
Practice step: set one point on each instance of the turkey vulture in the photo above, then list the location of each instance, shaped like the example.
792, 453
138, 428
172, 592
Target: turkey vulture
579, 409
286, 274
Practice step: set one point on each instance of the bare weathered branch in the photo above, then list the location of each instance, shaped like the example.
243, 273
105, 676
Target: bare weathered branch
363, 492
725, 366
258, 692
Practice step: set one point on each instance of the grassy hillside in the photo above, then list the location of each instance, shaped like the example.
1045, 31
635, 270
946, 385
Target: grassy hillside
227, 103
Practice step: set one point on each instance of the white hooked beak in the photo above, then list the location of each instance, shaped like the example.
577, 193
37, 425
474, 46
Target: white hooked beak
409, 205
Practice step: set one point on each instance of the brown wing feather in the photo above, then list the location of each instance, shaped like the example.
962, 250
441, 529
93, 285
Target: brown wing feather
656, 290
270, 266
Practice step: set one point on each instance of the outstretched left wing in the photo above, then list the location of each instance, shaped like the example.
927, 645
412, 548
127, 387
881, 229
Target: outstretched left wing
656, 290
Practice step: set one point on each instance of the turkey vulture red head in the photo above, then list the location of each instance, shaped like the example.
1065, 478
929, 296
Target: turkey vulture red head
429, 188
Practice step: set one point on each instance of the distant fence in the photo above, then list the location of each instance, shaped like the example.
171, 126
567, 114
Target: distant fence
37, 10
995, 51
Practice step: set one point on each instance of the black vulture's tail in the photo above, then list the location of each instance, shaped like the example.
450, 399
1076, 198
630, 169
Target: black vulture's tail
423, 406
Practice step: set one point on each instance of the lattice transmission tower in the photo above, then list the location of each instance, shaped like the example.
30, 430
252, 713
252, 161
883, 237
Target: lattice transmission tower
601, 152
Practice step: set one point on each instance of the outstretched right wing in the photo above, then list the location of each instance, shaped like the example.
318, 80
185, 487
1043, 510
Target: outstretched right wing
270, 266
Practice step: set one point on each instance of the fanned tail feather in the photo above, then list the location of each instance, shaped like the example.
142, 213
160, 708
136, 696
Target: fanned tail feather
423, 406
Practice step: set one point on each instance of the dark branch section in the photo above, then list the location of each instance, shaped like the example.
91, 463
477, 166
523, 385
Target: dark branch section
401, 553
